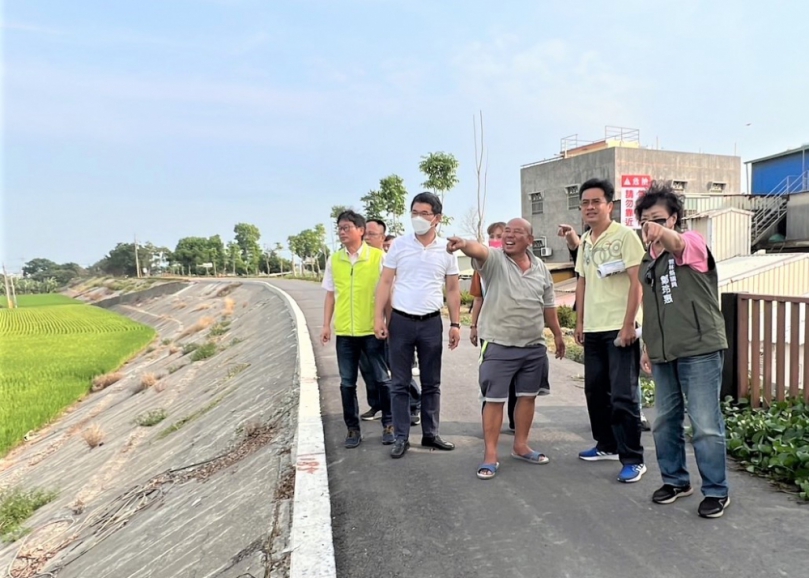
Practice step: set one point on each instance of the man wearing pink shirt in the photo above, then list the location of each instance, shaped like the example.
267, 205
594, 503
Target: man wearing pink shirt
684, 343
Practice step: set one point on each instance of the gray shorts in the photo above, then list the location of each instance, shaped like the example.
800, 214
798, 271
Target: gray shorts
526, 366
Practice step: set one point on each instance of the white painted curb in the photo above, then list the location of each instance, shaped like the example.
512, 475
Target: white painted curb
311, 537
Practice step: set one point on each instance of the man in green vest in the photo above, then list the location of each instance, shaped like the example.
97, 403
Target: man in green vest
350, 280
684, 343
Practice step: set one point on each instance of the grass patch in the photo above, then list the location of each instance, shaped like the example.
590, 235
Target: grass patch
235, 370
166, 341
81, 342
205, 351
16, 506
190, 348
228, 289
191, 417
42, 300
773, 442
151, 418
220, 328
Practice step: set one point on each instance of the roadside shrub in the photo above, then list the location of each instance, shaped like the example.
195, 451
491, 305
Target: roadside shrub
772, 442
567, 317
220, 328
190, 348
466, 298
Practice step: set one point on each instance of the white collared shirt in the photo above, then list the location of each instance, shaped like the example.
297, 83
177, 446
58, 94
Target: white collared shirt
421, 273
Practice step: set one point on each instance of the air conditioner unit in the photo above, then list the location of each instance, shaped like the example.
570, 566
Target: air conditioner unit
545, 252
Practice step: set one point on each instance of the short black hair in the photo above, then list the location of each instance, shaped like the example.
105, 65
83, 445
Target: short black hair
429, 199
661, 194
379, 222
352, 217
494, 226
390, 237
603, 184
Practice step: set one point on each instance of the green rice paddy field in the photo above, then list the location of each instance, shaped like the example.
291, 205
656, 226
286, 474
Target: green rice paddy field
51, 347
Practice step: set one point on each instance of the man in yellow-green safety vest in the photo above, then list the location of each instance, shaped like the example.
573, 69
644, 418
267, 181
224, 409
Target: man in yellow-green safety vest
350, 281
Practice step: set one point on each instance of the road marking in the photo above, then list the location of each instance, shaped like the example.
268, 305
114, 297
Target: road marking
311, 540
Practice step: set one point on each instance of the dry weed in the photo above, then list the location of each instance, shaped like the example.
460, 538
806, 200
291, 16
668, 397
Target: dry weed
180, 305
229, 306
173, 349
93, 435
104, 381
202, 307
160, 385
203, 323
244, 305
148, 379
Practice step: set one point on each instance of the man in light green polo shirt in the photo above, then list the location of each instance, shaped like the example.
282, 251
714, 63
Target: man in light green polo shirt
608, 295
519, 303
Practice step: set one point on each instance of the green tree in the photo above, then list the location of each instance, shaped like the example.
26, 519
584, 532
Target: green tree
247, 238
441, 170
121, 260
388, 203
39, 266
191, 252
310, 246
234, 258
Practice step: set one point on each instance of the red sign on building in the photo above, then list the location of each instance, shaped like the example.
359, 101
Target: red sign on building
632, 189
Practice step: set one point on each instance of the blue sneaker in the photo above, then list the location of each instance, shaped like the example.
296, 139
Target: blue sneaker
353, 439
631, 473
594, 455
387, 436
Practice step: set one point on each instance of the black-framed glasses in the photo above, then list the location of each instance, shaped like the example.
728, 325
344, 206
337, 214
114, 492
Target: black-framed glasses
661, 221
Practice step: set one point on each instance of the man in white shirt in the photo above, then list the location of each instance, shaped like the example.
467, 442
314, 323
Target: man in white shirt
416, 270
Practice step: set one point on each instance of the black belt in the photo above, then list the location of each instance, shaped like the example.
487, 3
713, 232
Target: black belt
417, 317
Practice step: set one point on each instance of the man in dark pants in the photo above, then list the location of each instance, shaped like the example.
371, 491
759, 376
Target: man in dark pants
573, 240
416, 271
375, 236
608, 295
350, 280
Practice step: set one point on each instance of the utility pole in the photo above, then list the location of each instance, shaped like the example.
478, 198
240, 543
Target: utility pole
9, 299
137, 259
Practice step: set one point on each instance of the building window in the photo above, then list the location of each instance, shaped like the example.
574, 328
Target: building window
679, 186
573, 201
717, 187
537, 204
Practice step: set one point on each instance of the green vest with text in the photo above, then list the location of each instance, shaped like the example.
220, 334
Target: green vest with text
354, 291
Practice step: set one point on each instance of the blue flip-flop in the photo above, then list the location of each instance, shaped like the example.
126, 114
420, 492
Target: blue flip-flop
533, 457
491, 468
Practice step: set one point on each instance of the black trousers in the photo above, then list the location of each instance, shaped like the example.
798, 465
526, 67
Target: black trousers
610, 386
407, 338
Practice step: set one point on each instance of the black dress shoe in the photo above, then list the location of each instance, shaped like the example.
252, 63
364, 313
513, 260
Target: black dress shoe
400, 448
437, 443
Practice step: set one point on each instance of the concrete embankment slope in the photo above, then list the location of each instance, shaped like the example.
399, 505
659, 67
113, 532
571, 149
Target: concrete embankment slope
208, 490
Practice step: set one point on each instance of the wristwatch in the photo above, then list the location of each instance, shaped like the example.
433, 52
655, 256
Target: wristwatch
456, 325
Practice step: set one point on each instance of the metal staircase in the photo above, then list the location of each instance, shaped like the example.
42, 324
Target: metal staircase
772, 207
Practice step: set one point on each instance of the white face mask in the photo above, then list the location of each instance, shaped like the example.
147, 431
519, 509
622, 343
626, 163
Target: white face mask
421, 226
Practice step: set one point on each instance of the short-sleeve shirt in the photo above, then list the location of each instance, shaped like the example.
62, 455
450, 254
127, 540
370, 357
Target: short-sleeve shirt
605, 298
421, 273
513, 313
695, 253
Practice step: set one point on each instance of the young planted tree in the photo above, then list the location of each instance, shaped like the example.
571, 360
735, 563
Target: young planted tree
441, 170
388, 203
481, 164
247, 238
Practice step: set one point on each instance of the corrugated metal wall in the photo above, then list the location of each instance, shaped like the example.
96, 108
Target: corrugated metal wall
695, 204
798, 217
789, 279
767, 175
727, 234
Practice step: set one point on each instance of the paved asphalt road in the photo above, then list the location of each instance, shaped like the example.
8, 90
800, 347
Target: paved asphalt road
428, 516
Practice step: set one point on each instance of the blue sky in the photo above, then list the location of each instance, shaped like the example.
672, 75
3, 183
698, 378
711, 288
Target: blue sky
177, 117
